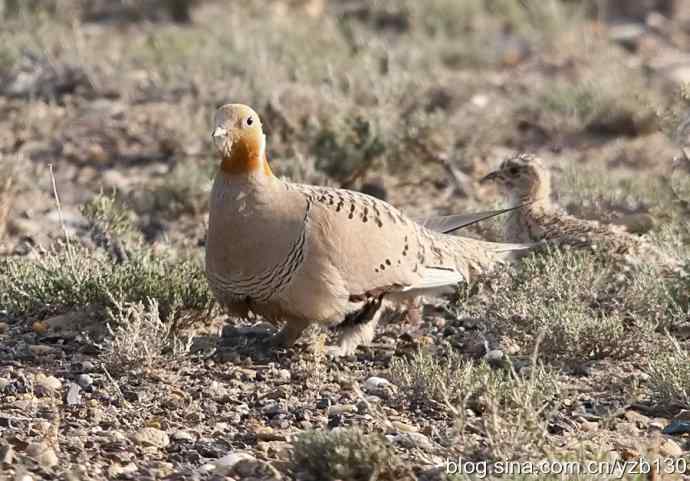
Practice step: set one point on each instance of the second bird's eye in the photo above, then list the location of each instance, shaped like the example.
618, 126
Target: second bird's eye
249, 121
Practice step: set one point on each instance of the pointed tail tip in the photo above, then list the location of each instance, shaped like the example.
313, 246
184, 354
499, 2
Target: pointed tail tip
515, 251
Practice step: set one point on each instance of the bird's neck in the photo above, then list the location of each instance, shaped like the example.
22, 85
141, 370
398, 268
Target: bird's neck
247, 160
537, 196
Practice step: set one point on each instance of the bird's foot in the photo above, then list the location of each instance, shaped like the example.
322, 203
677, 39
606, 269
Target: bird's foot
358, 329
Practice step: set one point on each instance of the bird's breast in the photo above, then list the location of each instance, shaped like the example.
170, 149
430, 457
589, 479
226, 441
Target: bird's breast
256, 242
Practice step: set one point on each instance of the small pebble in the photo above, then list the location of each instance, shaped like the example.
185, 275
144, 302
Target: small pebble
88, 366
274, 409
658, 424
223, 465
628, 429
279, 423
84, 380
183, 436
39, 350
44, 455
670, 448
47, 384
412, 440
639, 419
39, 327
339, 409
495, 357
376, 384
7, 454
116, 469
73, 395
151, 437
404, 428
589, 426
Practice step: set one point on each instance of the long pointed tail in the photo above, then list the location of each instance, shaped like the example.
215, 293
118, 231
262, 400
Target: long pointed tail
482, 256
451, 223
514, 251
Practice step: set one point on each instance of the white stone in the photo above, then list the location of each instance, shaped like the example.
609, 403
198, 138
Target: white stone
376, 384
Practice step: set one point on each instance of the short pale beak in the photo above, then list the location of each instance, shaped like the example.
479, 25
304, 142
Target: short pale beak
489, 177
219, 132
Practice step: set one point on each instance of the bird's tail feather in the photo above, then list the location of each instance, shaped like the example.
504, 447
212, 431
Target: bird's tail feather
516, 248
482, 256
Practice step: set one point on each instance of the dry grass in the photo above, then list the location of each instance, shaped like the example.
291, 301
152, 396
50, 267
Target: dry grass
669, 369
8, 191
501, 414
66, 278
139, 338
6, 199
118, 270
587, 308
346, 454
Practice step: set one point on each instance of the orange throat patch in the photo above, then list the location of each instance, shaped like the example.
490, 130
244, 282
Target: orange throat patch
245, 160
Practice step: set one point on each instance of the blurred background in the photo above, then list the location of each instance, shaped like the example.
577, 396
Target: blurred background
410, 101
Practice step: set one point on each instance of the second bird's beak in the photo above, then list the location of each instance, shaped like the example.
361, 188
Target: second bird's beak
489, 177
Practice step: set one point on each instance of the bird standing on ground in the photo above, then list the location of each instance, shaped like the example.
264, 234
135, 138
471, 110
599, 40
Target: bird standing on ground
300, 254
526, 181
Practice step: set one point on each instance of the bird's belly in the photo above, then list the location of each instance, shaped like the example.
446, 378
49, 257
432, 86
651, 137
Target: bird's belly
317, 293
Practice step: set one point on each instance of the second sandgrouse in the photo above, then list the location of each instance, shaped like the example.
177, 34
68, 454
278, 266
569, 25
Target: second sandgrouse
526, 181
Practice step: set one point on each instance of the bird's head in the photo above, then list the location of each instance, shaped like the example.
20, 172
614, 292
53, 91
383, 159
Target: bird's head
239, 139
523, 176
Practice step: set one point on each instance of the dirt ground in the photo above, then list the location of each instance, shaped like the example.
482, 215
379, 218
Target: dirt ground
116, 364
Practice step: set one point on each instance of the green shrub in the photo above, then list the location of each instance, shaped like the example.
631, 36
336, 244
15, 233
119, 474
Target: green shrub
345, 454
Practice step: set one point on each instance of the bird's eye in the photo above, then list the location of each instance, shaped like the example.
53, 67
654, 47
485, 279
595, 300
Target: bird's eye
513, 170
249, 121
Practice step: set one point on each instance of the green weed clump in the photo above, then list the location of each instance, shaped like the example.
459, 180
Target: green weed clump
587, 305
118, 270
509, 410
346, 454
669, 370
73, 277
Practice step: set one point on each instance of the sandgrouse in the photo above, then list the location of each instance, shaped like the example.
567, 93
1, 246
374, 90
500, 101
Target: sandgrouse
527, 182
300, 253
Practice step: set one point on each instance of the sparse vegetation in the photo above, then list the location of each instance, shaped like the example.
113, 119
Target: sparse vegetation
7, 193
424, 377
139, 338
346, 454
601, 106
669, 370
184, 190
511, 410
73, 276
587, 308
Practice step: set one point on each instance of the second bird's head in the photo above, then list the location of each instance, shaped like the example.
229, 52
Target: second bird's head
240, 141
522, 174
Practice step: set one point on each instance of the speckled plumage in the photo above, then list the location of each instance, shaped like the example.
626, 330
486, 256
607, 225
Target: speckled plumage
525, 180
300, 254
